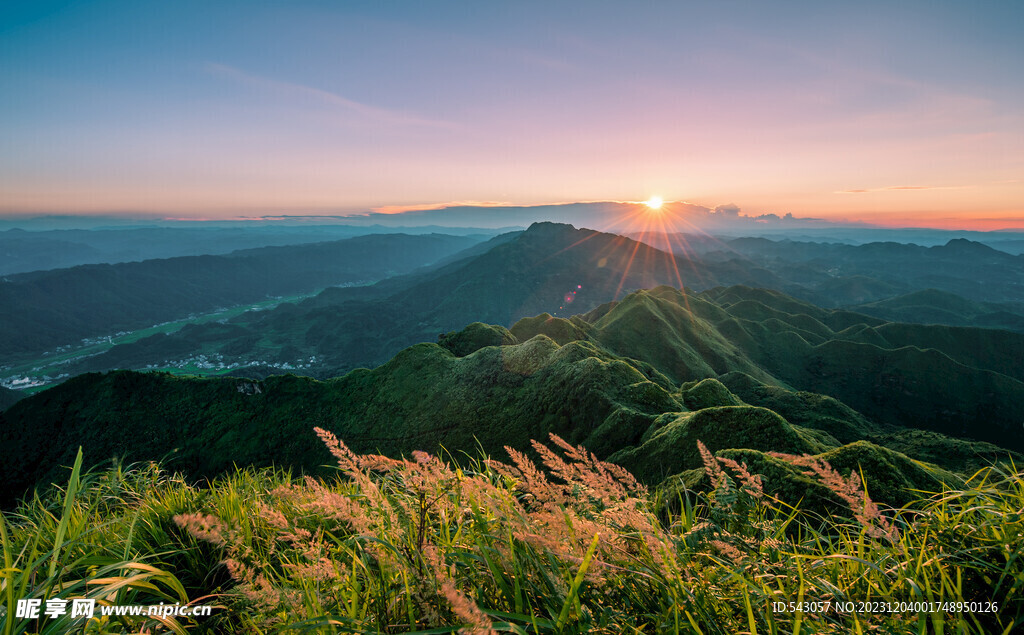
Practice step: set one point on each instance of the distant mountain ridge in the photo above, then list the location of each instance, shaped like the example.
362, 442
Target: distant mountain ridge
62, 243
866, 277
548, 268
967, 268
931, 306
343, 329
45, 309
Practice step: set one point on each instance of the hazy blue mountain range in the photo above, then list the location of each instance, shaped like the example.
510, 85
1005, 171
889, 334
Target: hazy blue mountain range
931, 306
883, 269
42, 248
960, 282
49, 242
868, 278
44, 309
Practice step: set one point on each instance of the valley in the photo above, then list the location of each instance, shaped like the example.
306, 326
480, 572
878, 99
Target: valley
31, 375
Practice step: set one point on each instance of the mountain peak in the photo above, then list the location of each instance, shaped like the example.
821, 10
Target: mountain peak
549, 228
967, 247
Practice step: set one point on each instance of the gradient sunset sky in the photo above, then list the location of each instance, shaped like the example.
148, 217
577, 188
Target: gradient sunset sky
896, 113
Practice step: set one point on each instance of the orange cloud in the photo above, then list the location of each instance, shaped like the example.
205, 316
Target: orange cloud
398, 209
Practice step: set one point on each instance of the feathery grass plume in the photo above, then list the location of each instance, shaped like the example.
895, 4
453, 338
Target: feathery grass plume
253, 586
752, 483
347, 460
566, 535
356, 466
307, 544
317, 499
584, 474
592, 496
428, 475
463, 606
207, 527
729, 551
624, 477
711, 467
576, 453
851, 491
532, 480
724, 495
613, 480
273, 517
555, 464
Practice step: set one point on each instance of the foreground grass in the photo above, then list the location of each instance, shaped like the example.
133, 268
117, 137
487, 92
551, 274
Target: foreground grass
575, 546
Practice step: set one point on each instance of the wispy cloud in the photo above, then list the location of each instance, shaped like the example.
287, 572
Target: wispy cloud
897, 188
385, 116
399, 209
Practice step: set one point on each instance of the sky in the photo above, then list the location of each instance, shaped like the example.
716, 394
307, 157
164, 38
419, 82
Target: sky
891, 113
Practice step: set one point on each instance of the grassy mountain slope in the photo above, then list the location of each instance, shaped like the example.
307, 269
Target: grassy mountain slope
636, 384
8, 397
672, 447
959, 392
890, 476
424, 397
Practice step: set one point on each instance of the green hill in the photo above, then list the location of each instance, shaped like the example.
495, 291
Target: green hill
672, 447
423, 398
637, 384
640, 379
8, 397
889, 476
931, 306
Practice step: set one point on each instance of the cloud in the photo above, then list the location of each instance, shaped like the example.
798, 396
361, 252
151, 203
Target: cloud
399, 209
365, 111
730, 209
897, 188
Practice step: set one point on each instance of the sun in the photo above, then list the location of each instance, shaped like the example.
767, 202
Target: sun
654, 203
